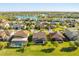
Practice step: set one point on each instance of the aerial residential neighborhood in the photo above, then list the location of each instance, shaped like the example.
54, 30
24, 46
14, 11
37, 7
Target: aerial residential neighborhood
39, 33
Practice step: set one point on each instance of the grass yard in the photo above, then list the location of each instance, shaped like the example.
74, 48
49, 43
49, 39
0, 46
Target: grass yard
40, 50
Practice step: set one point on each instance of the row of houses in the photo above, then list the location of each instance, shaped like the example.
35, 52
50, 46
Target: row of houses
43, 23
20, 37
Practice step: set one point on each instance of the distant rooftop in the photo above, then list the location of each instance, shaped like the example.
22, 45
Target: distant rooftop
72, 29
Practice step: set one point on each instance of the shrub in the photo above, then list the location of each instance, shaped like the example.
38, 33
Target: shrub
44, 44
76, 43
30, 38
55, 43
49, 44
3, 45
72, 44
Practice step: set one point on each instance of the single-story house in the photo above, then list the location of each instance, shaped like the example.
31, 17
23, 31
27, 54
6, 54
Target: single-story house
56, 36
71, 33
19, 39
39, 38
58, 20
72, 23
17, 26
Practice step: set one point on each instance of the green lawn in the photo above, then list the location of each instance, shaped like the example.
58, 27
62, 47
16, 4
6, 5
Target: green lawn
36, 50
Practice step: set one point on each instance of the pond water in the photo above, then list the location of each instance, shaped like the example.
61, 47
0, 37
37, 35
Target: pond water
25, 17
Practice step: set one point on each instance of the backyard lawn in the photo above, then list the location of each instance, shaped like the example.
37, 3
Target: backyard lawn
62, 49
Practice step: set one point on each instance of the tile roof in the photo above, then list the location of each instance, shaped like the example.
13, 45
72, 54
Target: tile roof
39, 35
23, 33
57, 35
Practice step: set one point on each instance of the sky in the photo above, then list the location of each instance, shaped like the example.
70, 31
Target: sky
39, 7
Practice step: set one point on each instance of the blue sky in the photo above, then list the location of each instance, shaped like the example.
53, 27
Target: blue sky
39, 6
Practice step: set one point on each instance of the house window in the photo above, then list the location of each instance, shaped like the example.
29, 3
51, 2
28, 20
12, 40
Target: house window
16, 44
39, 41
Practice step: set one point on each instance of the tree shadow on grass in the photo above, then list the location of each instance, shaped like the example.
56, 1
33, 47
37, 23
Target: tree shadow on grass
68, 49
48, 50
20, 50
